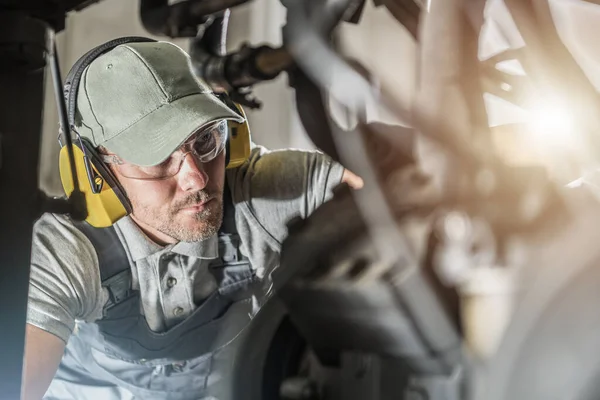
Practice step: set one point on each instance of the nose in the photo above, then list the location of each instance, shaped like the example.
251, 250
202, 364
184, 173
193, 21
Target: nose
192, 176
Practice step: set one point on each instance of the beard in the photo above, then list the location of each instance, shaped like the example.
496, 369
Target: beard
185, 226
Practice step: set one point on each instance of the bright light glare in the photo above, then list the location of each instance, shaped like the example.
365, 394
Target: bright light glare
551, 124
545, 133
555, 138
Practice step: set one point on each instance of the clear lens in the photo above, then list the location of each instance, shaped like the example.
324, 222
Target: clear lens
209, 144
204, 146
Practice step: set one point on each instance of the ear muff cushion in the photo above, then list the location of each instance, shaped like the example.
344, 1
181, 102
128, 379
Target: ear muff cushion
104, 208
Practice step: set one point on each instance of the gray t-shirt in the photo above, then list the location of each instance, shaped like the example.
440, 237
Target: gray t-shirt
268, 190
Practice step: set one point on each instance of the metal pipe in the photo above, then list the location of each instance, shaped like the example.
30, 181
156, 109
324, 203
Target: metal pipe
329, 71
180, 19
241, 69
215, 35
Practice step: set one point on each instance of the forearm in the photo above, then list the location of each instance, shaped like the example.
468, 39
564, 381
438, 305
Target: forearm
43, 352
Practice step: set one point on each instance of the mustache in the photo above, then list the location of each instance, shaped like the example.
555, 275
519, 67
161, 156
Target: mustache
201, 196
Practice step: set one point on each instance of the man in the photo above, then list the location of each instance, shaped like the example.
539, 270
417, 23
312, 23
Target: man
161, 132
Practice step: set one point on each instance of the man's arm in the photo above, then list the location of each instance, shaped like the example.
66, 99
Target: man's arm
64, 285
43, 352
279, 185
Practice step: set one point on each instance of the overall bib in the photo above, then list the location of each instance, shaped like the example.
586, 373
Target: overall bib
120, 357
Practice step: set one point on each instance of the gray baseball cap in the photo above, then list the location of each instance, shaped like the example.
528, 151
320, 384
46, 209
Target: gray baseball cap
141, 101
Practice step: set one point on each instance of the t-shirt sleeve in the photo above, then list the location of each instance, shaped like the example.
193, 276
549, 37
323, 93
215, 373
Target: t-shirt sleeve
279, 185
64, 283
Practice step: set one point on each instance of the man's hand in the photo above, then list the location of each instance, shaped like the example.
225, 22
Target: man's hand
353, 180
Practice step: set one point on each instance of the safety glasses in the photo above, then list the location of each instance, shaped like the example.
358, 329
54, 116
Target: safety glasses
204, 146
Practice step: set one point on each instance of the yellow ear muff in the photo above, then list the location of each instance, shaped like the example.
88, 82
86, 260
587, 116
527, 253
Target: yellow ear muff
105, 199
105, 207
238, 142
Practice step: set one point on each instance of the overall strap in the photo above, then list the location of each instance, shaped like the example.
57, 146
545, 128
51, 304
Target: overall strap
115, 271
112, 257
229, 239
228, 225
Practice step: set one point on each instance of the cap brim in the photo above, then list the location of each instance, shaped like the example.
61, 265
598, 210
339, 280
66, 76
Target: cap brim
155, 137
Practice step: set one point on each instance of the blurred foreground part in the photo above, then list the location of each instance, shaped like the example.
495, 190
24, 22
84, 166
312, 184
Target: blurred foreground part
461, 267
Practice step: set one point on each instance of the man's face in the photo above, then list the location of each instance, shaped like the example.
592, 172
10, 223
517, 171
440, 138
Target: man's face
186, 207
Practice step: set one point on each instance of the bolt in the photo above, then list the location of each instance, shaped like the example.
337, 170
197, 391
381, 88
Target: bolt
456, 226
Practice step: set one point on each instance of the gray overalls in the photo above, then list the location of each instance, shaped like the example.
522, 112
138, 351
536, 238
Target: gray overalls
120, 354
